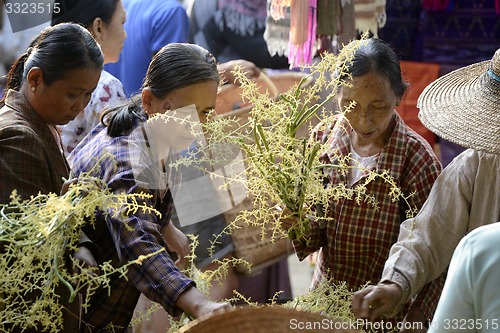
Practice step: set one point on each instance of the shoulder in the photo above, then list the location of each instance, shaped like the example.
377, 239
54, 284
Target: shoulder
481, 241
417, 149
171, 10
108, 78
14, 125
475, 165
475, 157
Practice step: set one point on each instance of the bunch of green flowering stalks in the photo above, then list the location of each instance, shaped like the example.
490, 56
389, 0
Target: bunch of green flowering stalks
36, 236
284, 174
283, 171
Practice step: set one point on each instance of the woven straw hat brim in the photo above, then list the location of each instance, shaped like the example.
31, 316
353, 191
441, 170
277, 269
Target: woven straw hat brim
265, 319
464, 107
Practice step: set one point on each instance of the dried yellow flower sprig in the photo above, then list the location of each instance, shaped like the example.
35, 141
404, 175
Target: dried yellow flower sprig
35, 237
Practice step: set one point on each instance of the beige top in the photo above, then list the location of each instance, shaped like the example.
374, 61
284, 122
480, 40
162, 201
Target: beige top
465, 196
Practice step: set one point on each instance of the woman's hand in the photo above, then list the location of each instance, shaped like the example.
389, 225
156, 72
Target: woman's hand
374, 301
192, 301
288, 219
177, 242
249, 68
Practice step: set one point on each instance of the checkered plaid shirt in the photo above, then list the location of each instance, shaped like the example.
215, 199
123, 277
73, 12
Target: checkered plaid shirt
356, 243
124, 240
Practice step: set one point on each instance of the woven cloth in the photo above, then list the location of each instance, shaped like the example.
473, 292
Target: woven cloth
302, 32
241, 16
369, 15
277, 28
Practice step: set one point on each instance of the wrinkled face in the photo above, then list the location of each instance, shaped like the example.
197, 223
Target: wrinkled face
61, 101
113, 35
371, 117
201, 96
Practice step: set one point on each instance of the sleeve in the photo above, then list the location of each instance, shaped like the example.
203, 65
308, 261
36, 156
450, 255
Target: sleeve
421, 186
138, 234
23, 164
426, 243
471, 297
170, 25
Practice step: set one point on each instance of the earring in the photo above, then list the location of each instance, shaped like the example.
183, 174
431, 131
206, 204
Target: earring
33, 88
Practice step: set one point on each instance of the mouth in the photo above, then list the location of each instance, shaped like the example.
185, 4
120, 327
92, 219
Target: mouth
366, 134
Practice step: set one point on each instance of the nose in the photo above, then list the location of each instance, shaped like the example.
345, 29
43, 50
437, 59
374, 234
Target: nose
364, 117
81, 103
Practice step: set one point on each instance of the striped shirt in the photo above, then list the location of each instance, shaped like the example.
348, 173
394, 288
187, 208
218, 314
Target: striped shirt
116, 160
356, 241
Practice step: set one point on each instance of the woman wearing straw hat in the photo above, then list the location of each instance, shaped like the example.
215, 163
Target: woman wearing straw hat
462, 107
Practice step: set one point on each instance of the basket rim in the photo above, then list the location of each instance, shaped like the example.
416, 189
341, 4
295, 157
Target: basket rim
267, 318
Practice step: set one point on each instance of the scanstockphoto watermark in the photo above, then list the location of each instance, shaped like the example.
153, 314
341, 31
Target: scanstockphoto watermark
330, 324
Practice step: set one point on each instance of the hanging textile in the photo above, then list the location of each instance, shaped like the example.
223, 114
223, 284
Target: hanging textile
329, 17
241, 16
329, 24
301, 29
437, 4
302, 32
278, 8
369, 15
277, 30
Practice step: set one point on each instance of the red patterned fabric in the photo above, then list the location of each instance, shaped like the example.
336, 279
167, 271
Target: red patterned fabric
435, 4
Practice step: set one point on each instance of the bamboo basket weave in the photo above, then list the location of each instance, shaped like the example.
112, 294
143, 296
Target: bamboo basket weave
250, 244
231, 104
266, 319
260, 251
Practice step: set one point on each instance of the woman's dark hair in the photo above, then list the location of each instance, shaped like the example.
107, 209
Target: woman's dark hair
175, 66
56, 50
84, 12
375, 55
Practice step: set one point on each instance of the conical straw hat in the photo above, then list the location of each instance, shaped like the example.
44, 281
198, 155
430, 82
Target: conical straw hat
463, 106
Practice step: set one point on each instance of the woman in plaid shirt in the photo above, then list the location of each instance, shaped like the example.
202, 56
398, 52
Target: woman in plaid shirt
355, 241
131, 155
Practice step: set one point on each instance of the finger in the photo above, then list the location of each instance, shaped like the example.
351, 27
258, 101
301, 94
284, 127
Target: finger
256, 71
360, 307
181, 264
377, 304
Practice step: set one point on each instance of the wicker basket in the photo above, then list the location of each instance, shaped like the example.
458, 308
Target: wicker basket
230, 103
248, 241
266, 319
259, 250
